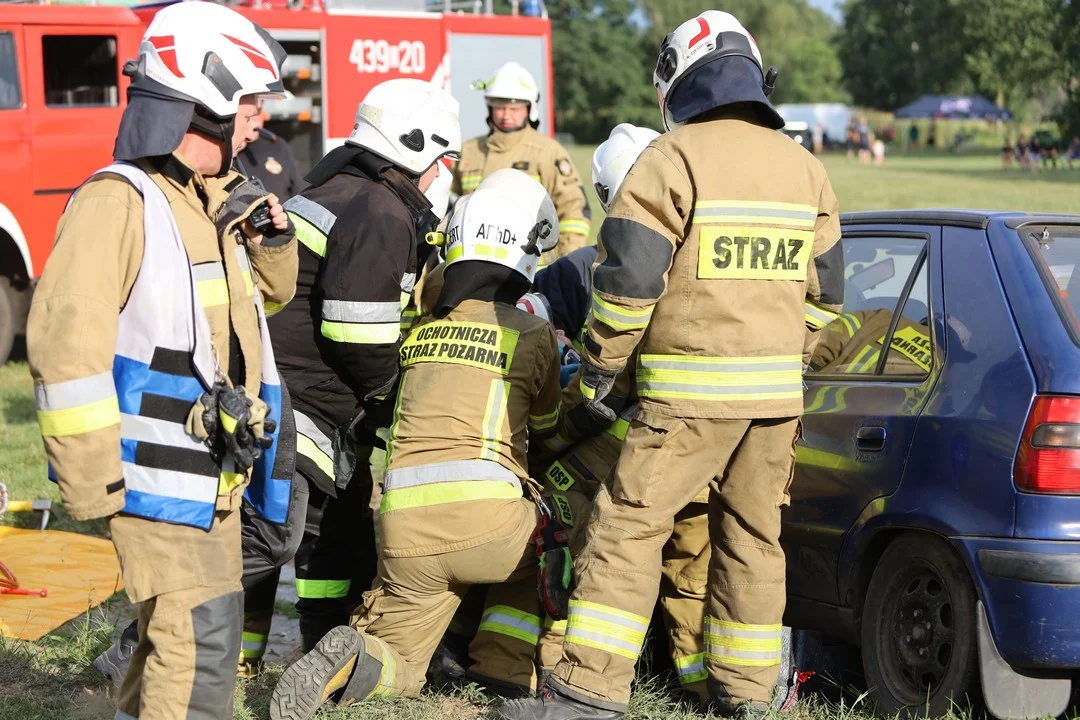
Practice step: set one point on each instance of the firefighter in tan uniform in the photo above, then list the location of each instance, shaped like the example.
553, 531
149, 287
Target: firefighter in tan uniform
479, 379
513, 142
507, 660
156, 387
719, 235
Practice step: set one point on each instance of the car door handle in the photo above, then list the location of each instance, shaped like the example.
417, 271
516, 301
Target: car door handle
870, 438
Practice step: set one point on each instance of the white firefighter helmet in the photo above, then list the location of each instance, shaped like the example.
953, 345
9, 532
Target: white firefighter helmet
513, 82
698, 42
438, 193
536, 304
615, 156
411, 123
508, 220
205, 53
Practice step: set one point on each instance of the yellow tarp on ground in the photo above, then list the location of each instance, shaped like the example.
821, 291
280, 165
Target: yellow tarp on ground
79, 572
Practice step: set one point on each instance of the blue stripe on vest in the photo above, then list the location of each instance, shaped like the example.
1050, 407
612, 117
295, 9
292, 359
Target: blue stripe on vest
267, 494
166, 509
127, 450
132, 378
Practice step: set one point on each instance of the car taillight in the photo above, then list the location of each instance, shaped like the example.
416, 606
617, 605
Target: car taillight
1049, 457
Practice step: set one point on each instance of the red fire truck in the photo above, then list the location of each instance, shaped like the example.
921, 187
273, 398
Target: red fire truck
62, 93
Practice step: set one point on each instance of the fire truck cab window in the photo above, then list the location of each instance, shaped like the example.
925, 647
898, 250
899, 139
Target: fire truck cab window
80, 70
10, 93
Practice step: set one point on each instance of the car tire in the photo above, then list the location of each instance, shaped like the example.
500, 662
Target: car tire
919, 633
7, 319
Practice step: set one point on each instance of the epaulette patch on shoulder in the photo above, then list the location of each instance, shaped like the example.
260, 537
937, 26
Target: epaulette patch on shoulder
564, 167
273, 166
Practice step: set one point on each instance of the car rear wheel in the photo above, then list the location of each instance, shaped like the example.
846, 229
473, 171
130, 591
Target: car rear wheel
7, 318
919, 639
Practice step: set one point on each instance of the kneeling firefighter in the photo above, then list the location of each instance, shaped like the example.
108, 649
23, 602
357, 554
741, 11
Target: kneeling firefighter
156, 386
453, 512
704, 274
359, 223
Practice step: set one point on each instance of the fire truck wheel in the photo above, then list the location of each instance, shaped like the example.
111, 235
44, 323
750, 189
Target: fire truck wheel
7, 318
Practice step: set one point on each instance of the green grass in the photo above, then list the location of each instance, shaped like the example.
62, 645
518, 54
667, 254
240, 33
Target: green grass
52, 679
924, 180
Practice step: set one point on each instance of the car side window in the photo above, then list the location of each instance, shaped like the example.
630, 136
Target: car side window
881, 274
80, 71
10, 92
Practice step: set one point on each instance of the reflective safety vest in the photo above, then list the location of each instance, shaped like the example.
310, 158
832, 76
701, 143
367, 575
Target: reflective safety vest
164, 361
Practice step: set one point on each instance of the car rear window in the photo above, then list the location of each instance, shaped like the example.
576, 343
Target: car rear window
1059, 250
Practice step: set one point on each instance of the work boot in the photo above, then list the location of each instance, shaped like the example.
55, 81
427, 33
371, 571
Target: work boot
313, 679
550, 705
113, 663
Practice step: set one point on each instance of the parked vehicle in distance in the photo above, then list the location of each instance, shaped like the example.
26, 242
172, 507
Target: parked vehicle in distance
935, 503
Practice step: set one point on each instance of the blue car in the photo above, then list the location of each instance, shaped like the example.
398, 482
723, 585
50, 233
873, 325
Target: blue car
935, 509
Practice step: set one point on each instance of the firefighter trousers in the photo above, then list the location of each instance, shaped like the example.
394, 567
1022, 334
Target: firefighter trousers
187, 584
508, 655
332, 540
404, 616
665, 462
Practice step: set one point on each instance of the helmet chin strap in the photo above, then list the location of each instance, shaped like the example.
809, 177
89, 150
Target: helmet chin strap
216, 128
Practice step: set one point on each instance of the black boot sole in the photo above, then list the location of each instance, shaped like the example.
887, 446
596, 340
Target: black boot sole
300, 691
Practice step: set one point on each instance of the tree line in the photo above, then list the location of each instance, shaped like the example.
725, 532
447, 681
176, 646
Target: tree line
884, 54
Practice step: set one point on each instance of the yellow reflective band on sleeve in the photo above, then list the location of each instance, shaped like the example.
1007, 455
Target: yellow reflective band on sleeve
913, 345
227, 421
272, 308
587, 391
511, 622
310, 236
470, 180
249, 286
557, 443
306, 446
541, 423
618, 429
741, 644
322, 589
408, 319
558, 476
494, 416
80, 419
851, 323
816, 316
691, 668
620, 318
749, 212
606, 628
865, 360
445, 493
455, 253
574, 227
554, 626
479, 345
739, 252
212, 293
228, 481
362, 333
720, 378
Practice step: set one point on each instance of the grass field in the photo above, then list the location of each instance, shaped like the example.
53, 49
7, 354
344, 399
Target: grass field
53, 679
927, 181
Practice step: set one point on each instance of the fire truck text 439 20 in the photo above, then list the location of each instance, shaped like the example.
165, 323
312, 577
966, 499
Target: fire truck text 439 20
379, 56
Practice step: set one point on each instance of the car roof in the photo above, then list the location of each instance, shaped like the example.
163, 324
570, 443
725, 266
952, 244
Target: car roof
963, 218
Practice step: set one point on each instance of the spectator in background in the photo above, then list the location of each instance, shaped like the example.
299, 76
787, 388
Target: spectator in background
852, 140
931, 138
879, 151
865, 138
1007, 153
1023, 152
818, 138
1074, 152
1035, 151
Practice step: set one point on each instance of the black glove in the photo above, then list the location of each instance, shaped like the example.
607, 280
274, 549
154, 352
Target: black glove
596, 384
234, 416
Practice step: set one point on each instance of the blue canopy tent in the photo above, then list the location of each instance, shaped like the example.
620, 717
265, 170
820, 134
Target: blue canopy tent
964, 107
